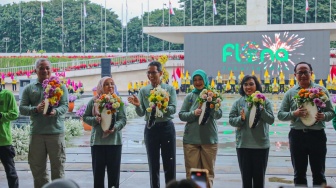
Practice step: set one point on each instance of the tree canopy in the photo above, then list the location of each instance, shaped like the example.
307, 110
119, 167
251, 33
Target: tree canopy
73, 36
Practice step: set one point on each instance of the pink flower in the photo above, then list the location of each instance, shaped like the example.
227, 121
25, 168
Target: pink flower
210, 94
209, 99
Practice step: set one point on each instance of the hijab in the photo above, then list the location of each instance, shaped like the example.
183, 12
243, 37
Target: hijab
100, 91
204, 76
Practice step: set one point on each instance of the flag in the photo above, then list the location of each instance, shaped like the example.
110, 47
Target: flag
307, 6
171, 10
84, 11
177, 75
41, 10
214, 7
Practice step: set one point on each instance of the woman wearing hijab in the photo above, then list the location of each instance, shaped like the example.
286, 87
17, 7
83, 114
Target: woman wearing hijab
199, 141
105, 145
252, 144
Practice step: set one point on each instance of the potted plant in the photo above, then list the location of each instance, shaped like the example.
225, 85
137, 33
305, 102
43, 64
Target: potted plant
72, 99
80, 112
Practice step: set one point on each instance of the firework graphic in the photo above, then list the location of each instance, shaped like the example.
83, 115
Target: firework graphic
250, 51
284, 42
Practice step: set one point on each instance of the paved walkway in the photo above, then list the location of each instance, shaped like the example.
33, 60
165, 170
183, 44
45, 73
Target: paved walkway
134, 168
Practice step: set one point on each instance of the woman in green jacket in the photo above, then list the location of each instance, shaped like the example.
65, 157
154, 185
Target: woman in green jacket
252, 144
199, 141
105, 145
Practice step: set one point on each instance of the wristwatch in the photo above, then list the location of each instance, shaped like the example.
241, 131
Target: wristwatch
35, 110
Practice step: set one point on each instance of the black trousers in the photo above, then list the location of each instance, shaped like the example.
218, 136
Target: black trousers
309, 146
266, 88
7, 154
282, 87
233, 89
219, 87
14, 87
252, 164
106, 156
162, 137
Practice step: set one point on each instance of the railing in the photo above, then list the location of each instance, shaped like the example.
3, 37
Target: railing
95, 63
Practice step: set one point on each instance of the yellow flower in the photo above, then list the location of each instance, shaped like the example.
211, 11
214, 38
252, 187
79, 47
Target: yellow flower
159, 98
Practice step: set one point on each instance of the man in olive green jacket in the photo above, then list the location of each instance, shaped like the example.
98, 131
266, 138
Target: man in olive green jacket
47, 131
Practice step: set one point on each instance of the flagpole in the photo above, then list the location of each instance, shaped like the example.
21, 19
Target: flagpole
105, 28
204, 13
126, 29
226, 12
163, 24
281, 11
235, 12
142, 14
41, 26
315, 10
20, 29
293, 13
148, 34
213, 12
81, 40
191, 12
101, 28
62, 29
330, 11
122, 27
170, 7
84, 8
184, 13
270, 12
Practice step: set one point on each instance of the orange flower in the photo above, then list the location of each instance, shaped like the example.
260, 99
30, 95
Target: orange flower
108, 112
306, 95
212, 105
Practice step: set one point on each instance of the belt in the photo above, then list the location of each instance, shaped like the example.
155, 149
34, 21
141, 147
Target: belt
307, 130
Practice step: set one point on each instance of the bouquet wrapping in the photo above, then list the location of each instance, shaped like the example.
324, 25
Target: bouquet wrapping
314, 100
158, 103
108, 104
52, 93
256, 102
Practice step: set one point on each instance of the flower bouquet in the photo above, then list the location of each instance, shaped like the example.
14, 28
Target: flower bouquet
108, 104
158, 103
255, 102
52, 93
314, 100
208, 99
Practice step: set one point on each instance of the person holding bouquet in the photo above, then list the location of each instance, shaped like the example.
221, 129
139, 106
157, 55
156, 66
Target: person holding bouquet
159, 130
8, 112
252, 141
306, 142
47, 136
106, 145
200, 142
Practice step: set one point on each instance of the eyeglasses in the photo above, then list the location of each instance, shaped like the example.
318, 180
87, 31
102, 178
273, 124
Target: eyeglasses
249, 84
152, 73
306, 73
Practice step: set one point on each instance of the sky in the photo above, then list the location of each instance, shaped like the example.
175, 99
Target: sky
134, 6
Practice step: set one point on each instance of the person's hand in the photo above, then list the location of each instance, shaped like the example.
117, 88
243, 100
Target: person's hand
98, 118
300, 112
134, 100
110, 131
40, 107
319, 116
242, 114
198, 112
52, 113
